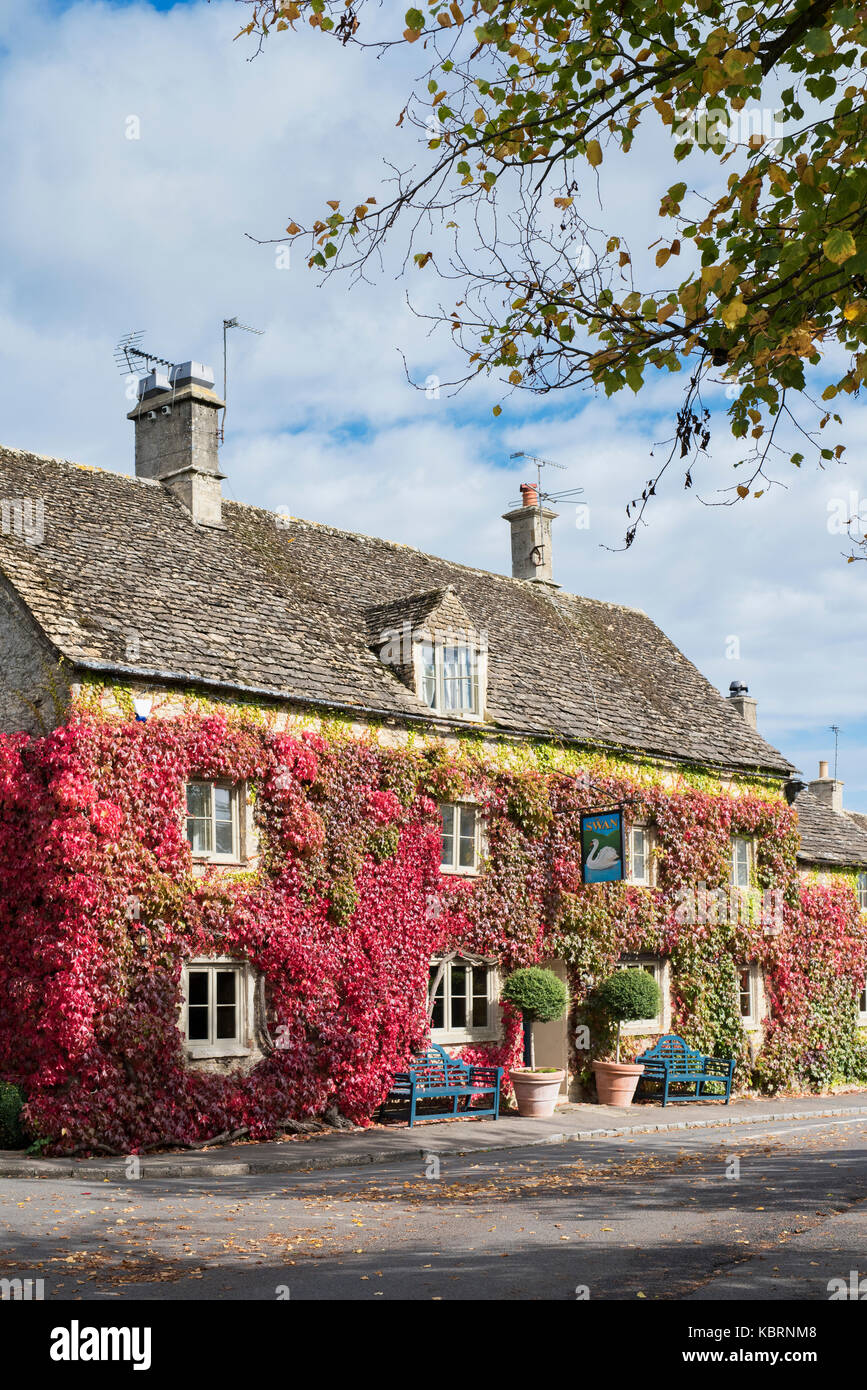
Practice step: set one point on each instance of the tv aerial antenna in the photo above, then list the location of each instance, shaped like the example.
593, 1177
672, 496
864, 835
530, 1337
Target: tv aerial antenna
245, 327
836, 731
132, 359
568, 495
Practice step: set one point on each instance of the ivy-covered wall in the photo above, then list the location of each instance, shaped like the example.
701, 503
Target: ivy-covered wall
347, 906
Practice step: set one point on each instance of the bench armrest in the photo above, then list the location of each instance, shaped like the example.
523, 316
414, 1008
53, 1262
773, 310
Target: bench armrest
720, 1065
481, 1072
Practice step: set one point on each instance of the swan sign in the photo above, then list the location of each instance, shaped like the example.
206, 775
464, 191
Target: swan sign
602, 847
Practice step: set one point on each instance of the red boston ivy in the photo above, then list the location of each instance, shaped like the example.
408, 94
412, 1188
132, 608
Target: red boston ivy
101, 904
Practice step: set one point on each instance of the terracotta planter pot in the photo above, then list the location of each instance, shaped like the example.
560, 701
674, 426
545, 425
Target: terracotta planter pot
616, 1081
536, 1091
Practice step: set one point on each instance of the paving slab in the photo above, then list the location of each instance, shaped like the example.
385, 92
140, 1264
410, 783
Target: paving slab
393, 1143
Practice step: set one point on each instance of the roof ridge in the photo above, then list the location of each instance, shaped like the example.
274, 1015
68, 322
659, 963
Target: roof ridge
333, 530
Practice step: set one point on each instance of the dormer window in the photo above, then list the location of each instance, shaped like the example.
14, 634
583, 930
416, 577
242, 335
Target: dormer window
450, 676
432, 644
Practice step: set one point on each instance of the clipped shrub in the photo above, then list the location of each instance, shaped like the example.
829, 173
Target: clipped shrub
540, 995
628, 995
12, 1135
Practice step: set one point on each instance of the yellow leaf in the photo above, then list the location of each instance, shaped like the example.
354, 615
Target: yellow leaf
777, 176
839, 246
332, 203
743, 491
498, 410
293, 229
594, 153
515, 378
666, 312
733, 312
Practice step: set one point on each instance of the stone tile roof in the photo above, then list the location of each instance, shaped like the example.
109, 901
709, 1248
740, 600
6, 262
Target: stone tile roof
827, 836
285, 609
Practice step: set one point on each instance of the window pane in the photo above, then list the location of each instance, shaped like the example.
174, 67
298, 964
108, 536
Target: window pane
467, 847
438, 1017
480, 996
429, 678
199, 833
226, 986
197, 1024
198, 987
741, 863
447, 816
746, 994
226, 1021
459, 678
459, 996
198, 799
862, 890
227, 982
638, 855
197, 1011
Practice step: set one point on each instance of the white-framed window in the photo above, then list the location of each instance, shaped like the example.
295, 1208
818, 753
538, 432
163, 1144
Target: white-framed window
217, 1008
861, 891
658, 969
641, 856
461, 838
213, 820
451, 676
742, 861
749, 995
862, 1005
464, 1000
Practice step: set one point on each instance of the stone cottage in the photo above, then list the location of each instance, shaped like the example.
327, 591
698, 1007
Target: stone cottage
133, 606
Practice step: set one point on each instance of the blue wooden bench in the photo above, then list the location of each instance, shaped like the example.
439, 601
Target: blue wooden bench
672, 1063
435, 1075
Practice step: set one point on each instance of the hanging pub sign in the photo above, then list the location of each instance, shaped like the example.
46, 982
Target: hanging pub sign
602, 847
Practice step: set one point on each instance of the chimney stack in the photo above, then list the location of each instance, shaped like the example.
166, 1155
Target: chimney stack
828, 789
530, 525
176, 437
743, 702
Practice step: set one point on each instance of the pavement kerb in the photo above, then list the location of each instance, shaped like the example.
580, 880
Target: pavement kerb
202, 1167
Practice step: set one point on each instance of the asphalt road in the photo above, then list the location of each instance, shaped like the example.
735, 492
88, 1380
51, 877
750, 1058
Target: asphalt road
759, 1212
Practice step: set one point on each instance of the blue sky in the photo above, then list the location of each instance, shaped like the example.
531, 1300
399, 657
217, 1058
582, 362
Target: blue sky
103, 234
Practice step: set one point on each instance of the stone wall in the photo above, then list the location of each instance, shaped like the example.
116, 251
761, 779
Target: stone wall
33, 688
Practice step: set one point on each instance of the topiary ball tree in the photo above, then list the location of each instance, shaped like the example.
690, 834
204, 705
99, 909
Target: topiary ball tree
540, 995
628, 995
